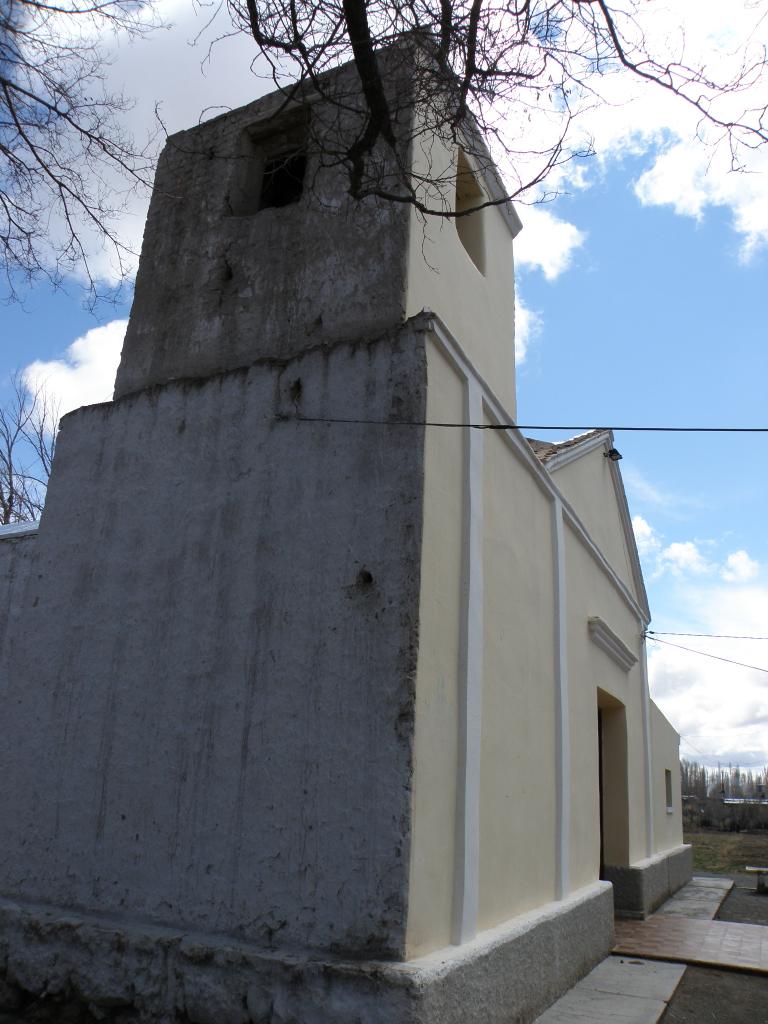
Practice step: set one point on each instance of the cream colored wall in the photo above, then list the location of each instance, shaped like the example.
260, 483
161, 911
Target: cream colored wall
437, 687
517, 768
477, 308
517, 839
587, 486
665, 747
518, 830
517, 782
590, 593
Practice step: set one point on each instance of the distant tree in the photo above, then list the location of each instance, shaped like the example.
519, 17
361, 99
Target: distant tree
508, 66
712, 786
693, 778
28, 425
65, 161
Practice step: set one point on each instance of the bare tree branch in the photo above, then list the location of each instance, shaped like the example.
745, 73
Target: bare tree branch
28, 425
501, 65
64, 159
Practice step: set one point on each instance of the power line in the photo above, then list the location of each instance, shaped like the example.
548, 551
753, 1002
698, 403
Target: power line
522, 426
713, 636
693, 747
704, 654
672, 430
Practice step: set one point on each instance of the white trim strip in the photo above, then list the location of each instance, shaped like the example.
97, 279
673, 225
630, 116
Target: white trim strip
629, 533
467, 881
608, 641
650, 839
518, 444
562, 717
581, 532
481, 401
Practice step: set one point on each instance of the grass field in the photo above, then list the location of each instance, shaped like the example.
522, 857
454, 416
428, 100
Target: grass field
727, 852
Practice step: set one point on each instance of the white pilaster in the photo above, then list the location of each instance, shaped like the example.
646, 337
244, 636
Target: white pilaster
562, 723
646, 697
471, 674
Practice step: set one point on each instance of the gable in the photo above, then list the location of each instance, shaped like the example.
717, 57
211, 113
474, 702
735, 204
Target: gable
591, 484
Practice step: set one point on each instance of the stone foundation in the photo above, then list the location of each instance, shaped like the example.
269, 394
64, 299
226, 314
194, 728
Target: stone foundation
639, 889
163, 975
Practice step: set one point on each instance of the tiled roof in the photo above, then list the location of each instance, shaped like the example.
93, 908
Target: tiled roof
545, 450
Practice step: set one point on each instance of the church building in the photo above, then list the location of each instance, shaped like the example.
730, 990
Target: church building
323, 689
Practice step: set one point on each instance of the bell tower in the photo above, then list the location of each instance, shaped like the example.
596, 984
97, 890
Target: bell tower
254, 248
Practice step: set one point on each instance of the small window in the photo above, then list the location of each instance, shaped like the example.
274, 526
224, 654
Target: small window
668, 789
271, 166
470, 227
282, 180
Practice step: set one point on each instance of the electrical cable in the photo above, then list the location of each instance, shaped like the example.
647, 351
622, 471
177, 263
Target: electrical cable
695, 749
704, 654
713, 636
522, 426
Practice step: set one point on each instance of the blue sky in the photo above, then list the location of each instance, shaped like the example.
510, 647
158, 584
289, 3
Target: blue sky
658, 320
642, 297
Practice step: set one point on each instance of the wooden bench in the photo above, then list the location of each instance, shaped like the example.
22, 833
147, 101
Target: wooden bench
762, 878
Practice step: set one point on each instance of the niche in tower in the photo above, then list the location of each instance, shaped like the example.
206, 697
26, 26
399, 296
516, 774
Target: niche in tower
272, 165
470, 227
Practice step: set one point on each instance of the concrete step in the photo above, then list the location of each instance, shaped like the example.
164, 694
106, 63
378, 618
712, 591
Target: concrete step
620, 990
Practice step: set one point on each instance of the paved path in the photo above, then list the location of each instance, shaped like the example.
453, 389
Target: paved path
683, 931
740, 947
631, 989
698, 899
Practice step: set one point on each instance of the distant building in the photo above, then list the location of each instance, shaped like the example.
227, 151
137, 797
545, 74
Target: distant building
313, 712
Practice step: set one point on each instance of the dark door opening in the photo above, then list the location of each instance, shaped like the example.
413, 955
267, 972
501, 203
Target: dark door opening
613, 782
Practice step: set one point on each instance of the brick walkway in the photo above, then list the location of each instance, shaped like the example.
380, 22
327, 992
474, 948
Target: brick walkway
742, 947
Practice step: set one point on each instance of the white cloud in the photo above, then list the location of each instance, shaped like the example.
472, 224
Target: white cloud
689, 180
718, 707
739, 568
527, 328
641, 489
628, 117
205, 81
648, 542
692, 165
688, 163
683, 557
546, 242
85, 373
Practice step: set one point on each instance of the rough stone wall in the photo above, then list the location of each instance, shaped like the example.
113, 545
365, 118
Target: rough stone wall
217, 289
17, 551
213, 673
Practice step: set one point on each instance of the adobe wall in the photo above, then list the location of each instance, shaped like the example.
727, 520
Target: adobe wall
221, 284
17, 549
235, 757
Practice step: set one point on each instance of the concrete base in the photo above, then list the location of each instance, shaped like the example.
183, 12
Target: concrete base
639, 889
509, 973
